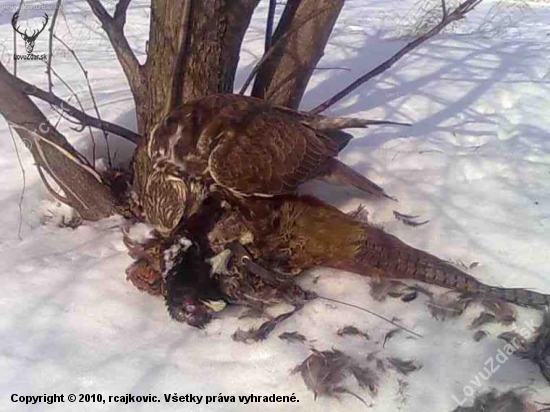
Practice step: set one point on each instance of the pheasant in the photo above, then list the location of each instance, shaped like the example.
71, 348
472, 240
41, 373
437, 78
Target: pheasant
294, 233
225, 170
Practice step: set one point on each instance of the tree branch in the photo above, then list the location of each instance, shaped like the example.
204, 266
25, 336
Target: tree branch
82, 186
92, 95
114, 27
448, 18
178, 70
120, 12
269, 25
83, 118
279, 43
52, 29
283, 78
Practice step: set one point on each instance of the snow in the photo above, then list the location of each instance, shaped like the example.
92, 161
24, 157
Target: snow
475, 163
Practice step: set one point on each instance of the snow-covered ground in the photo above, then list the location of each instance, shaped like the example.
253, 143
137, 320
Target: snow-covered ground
476, 163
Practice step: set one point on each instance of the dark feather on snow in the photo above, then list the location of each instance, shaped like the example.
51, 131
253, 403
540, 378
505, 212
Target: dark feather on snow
408, 220
503, 312
479, 335
366, 378
537, 349
323, 373
493, 402
448, 305
483, 319
293, 337
352, 331
403, 366
390, 335
382, 288
261, 333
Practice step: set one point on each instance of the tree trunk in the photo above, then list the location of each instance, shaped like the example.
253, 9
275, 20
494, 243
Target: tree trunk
52, 153
299, 43
217, 31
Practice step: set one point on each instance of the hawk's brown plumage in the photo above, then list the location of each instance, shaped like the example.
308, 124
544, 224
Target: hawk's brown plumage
242, 144
243, 147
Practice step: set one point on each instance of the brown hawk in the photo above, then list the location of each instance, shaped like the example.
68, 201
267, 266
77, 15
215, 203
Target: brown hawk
255, 156
242, 147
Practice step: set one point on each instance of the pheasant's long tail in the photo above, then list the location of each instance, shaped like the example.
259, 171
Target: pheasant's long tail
387, 256
320, 235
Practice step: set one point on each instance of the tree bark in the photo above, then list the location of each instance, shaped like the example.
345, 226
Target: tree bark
82, 190
215, 38
284, 76
217, 31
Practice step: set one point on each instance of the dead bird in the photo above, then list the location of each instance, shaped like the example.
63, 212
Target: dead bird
252, 158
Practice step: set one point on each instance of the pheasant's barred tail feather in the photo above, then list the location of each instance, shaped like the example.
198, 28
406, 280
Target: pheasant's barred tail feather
385, 253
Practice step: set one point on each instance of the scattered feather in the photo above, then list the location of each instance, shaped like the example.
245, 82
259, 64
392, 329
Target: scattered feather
536, 349
352, 331
402, 386
390, 335
402, 366
323, 373
471, 266
514, 339
366, 378
493, 402
261, 333
408, 220
382, 288
504, 312
361, 214
293, 337
479, 335
448, 305
409, 297
483, 319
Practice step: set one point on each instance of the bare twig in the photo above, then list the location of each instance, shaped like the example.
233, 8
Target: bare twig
372, 313
274, 47
92, 95
269, 25
81, 108
24, 183
15, 44
50, 56
444, 8
448, 18
178, 68
72, 111
114, 27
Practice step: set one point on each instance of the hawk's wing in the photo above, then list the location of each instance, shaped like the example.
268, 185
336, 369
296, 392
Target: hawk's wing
266, 153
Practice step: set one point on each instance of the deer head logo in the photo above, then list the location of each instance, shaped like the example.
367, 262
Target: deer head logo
29, 39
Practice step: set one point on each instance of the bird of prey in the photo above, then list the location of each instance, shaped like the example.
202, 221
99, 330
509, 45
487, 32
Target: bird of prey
242, 147
226, 168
